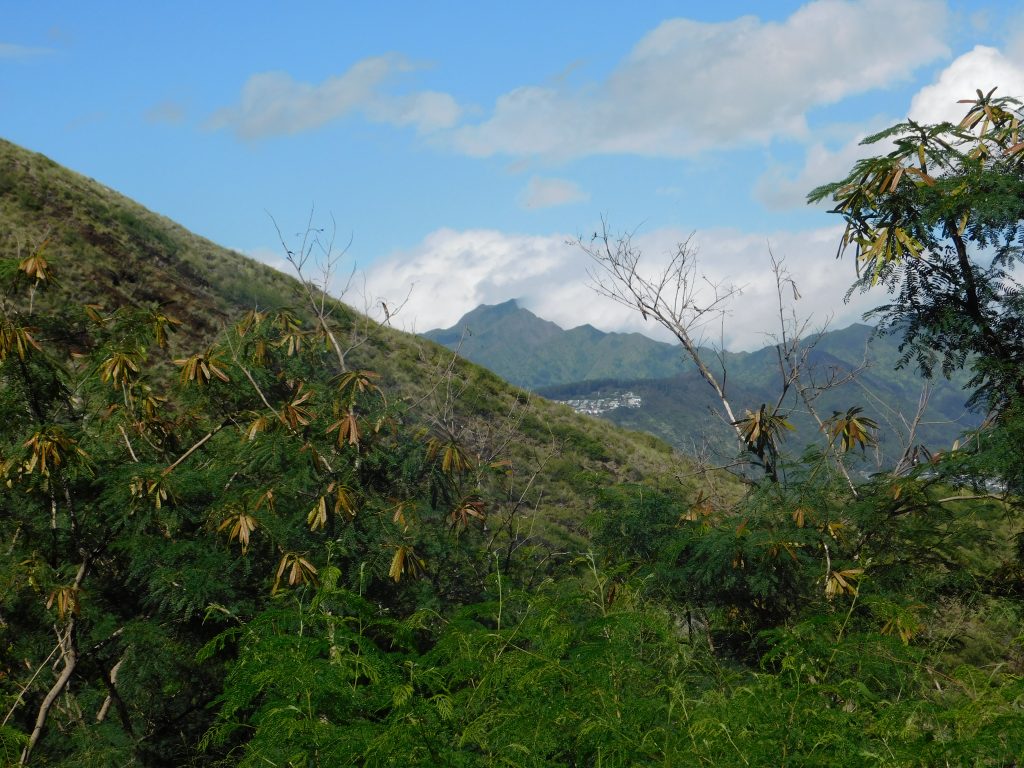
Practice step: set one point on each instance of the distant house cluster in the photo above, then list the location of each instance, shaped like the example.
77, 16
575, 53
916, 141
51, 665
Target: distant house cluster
595, 406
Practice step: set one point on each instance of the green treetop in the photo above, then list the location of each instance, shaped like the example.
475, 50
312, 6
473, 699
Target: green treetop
939, 222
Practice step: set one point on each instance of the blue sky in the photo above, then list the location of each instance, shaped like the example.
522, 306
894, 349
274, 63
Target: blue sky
461, 145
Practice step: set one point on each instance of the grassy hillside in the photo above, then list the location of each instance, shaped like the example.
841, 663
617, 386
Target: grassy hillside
108, 250
271, 539
112, 251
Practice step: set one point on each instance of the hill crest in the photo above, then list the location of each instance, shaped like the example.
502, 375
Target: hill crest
110, 251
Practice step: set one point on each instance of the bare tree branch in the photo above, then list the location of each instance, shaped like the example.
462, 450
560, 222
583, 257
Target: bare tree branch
327, 258
793, 349
678, 298
69, 655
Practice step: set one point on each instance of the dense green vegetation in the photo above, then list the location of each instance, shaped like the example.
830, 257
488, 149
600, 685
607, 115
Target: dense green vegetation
156, 262
297, 539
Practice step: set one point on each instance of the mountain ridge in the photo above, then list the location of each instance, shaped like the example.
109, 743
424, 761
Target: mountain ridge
532, 352
589, 364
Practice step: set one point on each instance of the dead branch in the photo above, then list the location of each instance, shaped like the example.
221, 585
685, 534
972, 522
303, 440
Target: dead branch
319, 300
113, 697
69, 655
128, 443
907, 458
794, 354
678, 298
199, 444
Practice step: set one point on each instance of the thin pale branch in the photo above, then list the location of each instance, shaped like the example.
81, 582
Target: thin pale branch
675, 298
69, 654
193, 449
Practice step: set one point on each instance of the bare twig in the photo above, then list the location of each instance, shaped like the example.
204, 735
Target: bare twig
128, 443
193, 449
973, 497
677, 298
19, 699
113, 696
327, 259
69, 655
793, 350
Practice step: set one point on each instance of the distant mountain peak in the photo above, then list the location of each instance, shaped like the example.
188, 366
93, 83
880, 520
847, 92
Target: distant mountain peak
488, 315
509, 307
533, 352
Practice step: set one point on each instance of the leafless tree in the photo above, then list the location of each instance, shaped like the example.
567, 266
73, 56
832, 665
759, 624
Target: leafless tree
317, 260
794, 345
688, 304
678, 297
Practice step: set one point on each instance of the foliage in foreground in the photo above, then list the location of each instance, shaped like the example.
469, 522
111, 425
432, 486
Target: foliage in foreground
581, 674
251, 554
253, 562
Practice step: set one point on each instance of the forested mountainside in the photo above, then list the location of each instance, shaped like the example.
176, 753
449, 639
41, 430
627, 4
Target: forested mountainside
534, 353
243, 525
674, 402
139, 359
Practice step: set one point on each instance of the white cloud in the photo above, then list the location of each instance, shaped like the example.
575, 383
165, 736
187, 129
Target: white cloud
548, 193
273, 103
426, 110
780, 188
1015, 38
15, 51
982, 68
689, 86
451, 272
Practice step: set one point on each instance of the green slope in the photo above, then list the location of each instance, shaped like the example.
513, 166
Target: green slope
108, 250
112, 251
193, 600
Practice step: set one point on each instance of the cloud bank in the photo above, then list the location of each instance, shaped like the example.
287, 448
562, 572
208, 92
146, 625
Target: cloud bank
453, 271
688, 86
981, 68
